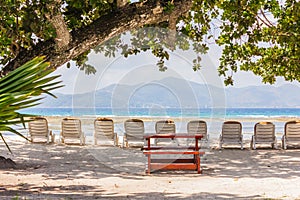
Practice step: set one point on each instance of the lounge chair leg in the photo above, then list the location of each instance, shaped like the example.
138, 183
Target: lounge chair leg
83, 140
52, 138
116, 139
275, 143
284, 146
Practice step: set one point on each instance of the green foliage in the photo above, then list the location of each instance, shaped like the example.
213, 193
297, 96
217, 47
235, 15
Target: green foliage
261, 36
169, 7
159, 41
22, 89
79, 13
22, 24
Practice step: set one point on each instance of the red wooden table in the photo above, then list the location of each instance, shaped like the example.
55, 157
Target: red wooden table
173, 164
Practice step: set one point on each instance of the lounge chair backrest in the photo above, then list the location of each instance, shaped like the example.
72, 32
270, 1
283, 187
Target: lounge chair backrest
105, 127
134, 128
165, 127
71, 127
38, 127
292, 130
231, 129
197, 127
264, 131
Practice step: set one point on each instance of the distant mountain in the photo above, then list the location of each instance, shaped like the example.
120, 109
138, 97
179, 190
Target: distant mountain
174, 92
264, 96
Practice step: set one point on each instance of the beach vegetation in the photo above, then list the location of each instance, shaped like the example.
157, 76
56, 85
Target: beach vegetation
23, 88
259, 36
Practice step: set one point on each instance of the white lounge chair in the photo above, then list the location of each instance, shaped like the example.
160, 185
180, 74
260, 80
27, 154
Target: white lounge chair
134, 132
104, 130
231, 133
38, 129
198, 127
291, 133
264, 133
164, 127
71, 129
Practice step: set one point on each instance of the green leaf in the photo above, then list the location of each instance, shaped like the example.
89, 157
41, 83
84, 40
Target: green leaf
21, 89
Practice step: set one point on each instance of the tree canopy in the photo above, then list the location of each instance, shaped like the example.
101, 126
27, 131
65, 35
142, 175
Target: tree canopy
261, 36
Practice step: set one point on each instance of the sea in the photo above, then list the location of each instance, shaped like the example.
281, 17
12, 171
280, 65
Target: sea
214, 117
169, 112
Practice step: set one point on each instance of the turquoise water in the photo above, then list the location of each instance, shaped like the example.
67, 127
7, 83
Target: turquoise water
170, 112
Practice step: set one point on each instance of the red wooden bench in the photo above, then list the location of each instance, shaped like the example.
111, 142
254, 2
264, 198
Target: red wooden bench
192, 163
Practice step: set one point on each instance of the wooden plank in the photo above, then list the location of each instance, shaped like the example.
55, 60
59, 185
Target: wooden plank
174, 166
173, 135
172, 152
181, 160
145, 148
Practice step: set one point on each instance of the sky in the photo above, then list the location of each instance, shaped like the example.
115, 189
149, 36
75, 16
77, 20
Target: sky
142, 69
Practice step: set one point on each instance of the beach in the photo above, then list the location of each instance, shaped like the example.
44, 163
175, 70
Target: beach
59, 171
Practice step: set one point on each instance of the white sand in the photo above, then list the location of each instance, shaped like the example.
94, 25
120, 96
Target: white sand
56, 171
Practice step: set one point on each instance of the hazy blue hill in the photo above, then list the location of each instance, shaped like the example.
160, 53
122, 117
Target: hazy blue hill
173, 92
264, 96
291, 95
252, 97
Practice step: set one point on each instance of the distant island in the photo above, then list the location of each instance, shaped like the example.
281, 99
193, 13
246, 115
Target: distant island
179, 93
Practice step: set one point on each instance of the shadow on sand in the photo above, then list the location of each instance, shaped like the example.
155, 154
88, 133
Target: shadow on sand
50, 161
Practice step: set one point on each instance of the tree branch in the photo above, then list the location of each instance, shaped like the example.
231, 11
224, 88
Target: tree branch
63, 36
126, 18
269, 24
172, 26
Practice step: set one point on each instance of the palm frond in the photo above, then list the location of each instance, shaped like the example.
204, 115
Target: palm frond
22, 88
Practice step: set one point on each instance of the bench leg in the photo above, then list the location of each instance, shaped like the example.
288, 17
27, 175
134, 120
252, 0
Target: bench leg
148, 170
198, 164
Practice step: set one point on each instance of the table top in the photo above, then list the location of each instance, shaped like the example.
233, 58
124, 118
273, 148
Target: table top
173, 135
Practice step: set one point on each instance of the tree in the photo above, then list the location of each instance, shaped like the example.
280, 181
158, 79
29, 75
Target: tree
21, 89
261, 36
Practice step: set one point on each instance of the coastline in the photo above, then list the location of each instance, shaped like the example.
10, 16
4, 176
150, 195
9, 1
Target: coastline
214, 124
